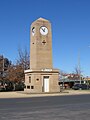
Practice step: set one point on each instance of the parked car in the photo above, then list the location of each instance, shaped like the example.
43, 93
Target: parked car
81, 86
2, 89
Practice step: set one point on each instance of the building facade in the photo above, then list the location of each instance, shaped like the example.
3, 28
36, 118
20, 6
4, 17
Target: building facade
41, 77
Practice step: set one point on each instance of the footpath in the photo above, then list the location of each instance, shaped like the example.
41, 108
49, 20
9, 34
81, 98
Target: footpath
22, 94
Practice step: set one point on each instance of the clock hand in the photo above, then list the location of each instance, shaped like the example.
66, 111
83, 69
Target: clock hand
43, 29
33, 29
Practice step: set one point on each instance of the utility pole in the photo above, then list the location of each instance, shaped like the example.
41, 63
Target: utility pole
3, 66
79, 67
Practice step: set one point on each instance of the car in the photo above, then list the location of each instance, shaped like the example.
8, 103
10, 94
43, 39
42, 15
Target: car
81, 86
2, 89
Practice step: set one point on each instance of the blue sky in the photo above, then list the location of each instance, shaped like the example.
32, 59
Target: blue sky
70, 21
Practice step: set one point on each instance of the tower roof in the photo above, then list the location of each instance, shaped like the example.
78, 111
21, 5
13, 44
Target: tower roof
42, 19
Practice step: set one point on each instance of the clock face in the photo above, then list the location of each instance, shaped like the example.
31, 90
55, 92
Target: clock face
33, 31
43, 30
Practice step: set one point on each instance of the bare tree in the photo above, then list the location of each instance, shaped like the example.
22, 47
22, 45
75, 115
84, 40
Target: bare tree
16, 71
23, 59
62, 73
78, 72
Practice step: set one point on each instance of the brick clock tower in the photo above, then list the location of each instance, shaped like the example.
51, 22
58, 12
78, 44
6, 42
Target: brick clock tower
41, 77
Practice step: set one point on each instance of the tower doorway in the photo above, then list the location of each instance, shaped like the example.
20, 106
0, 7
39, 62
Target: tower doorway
46, 83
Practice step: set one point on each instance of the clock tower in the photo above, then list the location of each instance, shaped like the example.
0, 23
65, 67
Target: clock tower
41, 77
41, 45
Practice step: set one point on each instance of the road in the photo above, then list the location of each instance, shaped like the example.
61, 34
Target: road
46, 108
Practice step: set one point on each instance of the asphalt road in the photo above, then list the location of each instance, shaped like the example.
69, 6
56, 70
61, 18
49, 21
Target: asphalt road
46, 108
